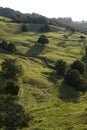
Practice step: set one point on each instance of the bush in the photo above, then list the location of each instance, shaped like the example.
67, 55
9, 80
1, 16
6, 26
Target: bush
4, 45
24, 28
79, 65
15, 116
12, 88
11, 48
11, 69
60, 67
43, 40
82, 37
74, 79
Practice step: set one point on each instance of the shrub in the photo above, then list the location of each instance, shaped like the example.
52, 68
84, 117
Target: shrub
11, 69
74, 79
24, 28
60, 67
12, 88
82, 37
4, 45
79, 65
43, 40
11, 48
15, 116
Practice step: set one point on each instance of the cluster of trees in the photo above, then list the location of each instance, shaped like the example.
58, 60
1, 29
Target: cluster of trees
12, 114
74, 75
8, 46
39, 19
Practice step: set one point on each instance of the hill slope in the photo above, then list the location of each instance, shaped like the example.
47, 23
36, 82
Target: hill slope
52, 104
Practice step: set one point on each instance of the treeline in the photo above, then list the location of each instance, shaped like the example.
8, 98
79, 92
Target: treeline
35, 18
32, 18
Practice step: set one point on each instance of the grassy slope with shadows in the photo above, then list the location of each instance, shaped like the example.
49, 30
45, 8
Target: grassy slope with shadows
52, 104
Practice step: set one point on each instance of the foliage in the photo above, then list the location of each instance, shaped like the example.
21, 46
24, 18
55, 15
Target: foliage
4, 45
65, 36
12, 88
82, 37
74, 79
11, 48
79, 65
13, 115
8, 47
43, 40
60, 67
11, 68
24, 28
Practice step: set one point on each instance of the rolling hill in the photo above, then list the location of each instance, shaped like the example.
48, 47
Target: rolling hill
52, 104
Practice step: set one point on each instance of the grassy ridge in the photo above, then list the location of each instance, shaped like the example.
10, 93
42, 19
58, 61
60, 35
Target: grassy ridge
52, 104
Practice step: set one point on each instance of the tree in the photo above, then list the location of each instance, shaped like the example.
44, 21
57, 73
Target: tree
43, 40
4, 45
74, 79
60, 67
79, 65
11, 48
24, 28
82, 37
12, 88
11, 69
16, 117
13, 115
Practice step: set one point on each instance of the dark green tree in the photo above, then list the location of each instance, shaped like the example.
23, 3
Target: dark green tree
82, 38
11, 69
43, 40
11, 48
4, 45
74, 79
24, 28
12, 88
12, 114
60, 67
79, 65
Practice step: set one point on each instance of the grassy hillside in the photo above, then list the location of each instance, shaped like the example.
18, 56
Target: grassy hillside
52, 104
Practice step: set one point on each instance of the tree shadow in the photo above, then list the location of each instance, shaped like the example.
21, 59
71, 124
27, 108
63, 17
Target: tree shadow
65, 92
68, 93
53, 77
35, 50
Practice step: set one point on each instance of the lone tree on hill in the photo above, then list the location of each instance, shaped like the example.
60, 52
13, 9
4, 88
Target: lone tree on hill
78, 65
43, 40
60, 67
82, 38
11, 69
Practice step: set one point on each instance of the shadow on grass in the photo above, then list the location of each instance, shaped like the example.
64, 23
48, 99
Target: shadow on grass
65, 92
68, 93
36, 50
52, 76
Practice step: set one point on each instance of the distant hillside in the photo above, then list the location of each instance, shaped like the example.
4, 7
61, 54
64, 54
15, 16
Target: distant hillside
35, 18
51, 103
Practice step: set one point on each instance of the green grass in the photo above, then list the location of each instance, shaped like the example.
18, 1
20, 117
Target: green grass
52, 104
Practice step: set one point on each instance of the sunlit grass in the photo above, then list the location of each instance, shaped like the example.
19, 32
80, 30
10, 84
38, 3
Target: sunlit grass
53, 104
